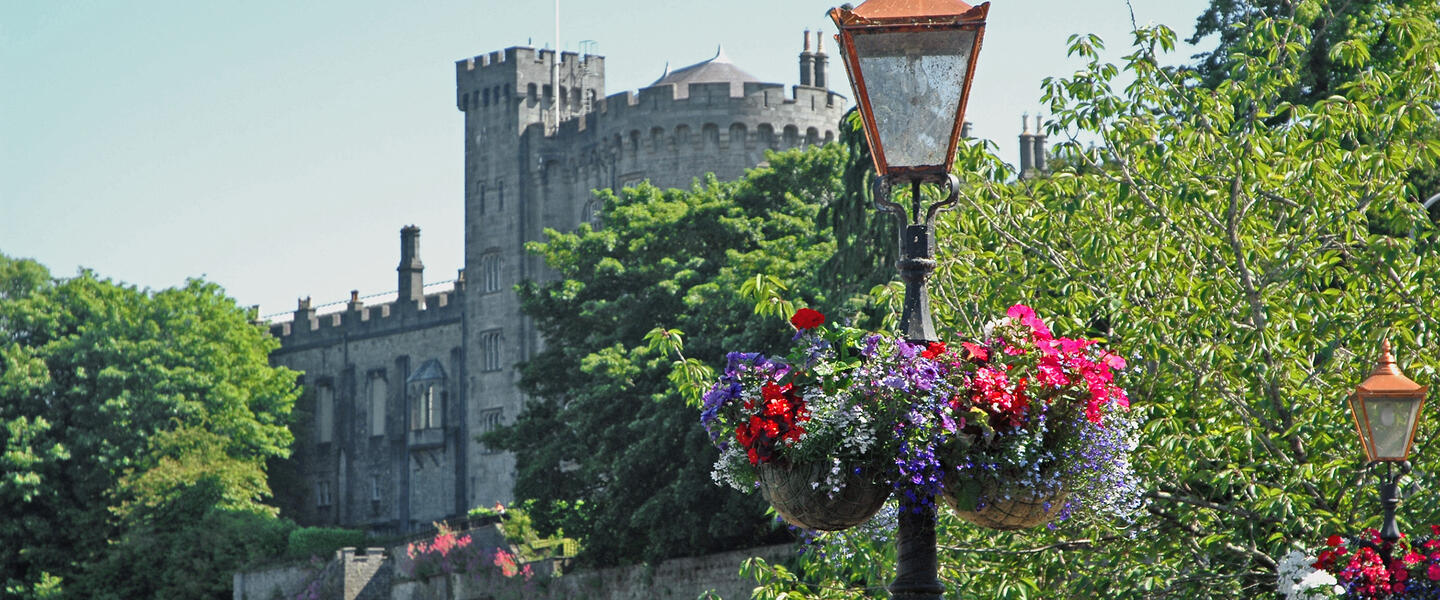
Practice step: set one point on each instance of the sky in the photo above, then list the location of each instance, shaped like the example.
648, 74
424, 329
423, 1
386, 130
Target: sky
277, 147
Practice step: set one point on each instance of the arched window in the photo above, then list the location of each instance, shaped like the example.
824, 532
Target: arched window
490, 350
427, 396
490, 280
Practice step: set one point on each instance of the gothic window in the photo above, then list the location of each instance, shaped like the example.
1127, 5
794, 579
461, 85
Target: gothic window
324, 414
490, 272
486, 96
425, 409
481, 194
379, 392
592, 214
427, 396
374, 488
489, 421
490, 350
322, 494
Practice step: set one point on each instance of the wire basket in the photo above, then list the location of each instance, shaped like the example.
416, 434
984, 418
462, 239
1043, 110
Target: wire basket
799, 494
1008, 507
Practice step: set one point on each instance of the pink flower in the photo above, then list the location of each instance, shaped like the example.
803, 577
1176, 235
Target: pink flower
1026, 316
1113, 361
1433, 572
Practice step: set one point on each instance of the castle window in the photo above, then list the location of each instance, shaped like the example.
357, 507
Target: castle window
481, 194
791, 136
500, 195
324, 414
767, 135
489, 421
592, 214
374, 488
379, 392
486, 97
427, 396
425, 411
738, 135
530, 94
322, 494
490, 350
490, 272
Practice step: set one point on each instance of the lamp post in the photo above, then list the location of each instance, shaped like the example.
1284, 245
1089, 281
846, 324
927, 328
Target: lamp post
911, 63
1386, 407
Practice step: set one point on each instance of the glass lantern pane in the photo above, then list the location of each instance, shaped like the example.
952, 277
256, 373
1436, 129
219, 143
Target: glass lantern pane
914, 81
1390, 425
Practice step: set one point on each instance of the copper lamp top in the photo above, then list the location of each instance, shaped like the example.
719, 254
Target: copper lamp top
876, 11
1387, 378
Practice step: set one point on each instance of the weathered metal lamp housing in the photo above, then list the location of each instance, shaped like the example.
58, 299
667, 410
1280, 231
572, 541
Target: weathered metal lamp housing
1386, 407
911, 63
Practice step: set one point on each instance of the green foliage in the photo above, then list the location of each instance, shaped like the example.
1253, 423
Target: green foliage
121, 410
1247, 266
608, 447
305, 542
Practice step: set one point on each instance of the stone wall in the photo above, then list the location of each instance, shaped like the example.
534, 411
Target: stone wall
372, 575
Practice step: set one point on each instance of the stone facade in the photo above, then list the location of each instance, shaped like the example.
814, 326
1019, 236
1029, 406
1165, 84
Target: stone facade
397, 392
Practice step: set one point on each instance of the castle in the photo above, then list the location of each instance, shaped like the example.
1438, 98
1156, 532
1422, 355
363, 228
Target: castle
397, 392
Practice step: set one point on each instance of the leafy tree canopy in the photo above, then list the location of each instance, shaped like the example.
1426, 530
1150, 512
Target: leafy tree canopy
126, 414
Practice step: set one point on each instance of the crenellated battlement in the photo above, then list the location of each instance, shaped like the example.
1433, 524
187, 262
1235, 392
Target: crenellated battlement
511, 72
307, 325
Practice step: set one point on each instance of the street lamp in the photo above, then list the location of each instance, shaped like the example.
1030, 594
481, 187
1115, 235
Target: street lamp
1386, 407
911, 63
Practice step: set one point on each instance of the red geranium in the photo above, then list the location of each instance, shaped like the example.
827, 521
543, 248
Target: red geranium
780, 417
807, 318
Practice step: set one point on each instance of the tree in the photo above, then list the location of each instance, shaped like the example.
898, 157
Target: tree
1346, 39
1247, 266
126, 411
607, 447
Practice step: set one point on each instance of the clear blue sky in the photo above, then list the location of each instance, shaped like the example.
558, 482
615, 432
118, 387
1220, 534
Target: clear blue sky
277, 147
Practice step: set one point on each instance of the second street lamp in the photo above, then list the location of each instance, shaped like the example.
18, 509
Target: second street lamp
1386, 407
911, 63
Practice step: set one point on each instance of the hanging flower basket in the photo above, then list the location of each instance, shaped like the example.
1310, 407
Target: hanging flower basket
802, 497
1005, 507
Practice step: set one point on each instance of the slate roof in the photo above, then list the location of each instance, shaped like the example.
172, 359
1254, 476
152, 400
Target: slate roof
717, 69
429, 371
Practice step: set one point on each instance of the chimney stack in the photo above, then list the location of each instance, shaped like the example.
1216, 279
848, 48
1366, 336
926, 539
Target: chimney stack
807, 62
1038, 149
820, 60
1027, 142
412, 271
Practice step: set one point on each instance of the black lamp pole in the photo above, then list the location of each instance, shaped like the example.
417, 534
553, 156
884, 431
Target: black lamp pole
917, 563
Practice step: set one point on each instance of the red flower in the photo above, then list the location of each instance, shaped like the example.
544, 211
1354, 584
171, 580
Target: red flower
1334, 540
935, 349
975, 352
807, 318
